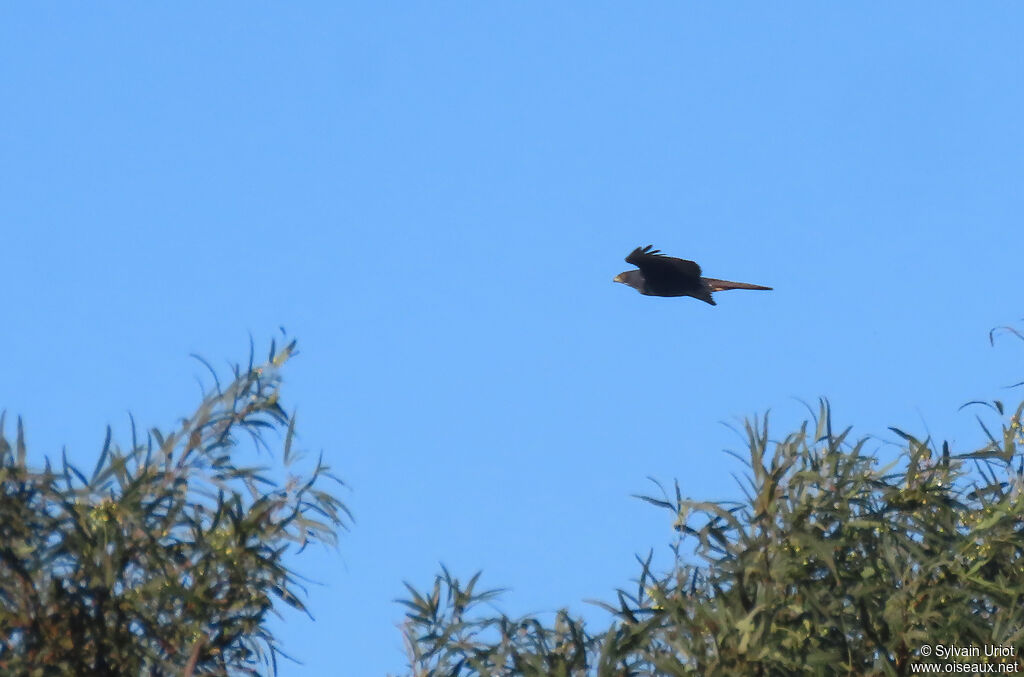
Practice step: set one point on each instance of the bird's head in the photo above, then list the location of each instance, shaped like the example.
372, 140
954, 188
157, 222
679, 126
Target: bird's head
631, 278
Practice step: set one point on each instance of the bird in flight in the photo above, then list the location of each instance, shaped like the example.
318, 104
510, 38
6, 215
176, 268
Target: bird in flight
661, 275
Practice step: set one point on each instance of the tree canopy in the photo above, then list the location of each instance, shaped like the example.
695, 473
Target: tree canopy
833, 563
168, 557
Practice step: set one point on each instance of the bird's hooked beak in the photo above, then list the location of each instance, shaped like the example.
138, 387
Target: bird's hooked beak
619, 278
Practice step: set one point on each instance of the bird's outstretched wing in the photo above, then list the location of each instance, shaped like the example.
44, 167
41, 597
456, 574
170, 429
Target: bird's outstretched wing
654, 264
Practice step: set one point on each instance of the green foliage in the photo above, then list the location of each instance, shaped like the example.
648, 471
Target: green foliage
831, 565
168, 559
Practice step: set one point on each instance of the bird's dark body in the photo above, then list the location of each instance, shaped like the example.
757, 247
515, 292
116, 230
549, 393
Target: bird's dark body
661, 275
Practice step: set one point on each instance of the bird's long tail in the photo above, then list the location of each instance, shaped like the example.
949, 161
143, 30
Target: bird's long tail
725, 285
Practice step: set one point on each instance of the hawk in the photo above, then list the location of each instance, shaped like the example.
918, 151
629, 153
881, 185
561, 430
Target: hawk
661, 275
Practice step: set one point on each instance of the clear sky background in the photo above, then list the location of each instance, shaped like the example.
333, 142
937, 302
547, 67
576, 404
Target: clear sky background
434, 198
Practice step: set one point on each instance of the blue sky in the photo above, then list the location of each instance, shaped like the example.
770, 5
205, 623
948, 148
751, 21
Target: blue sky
434, 198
